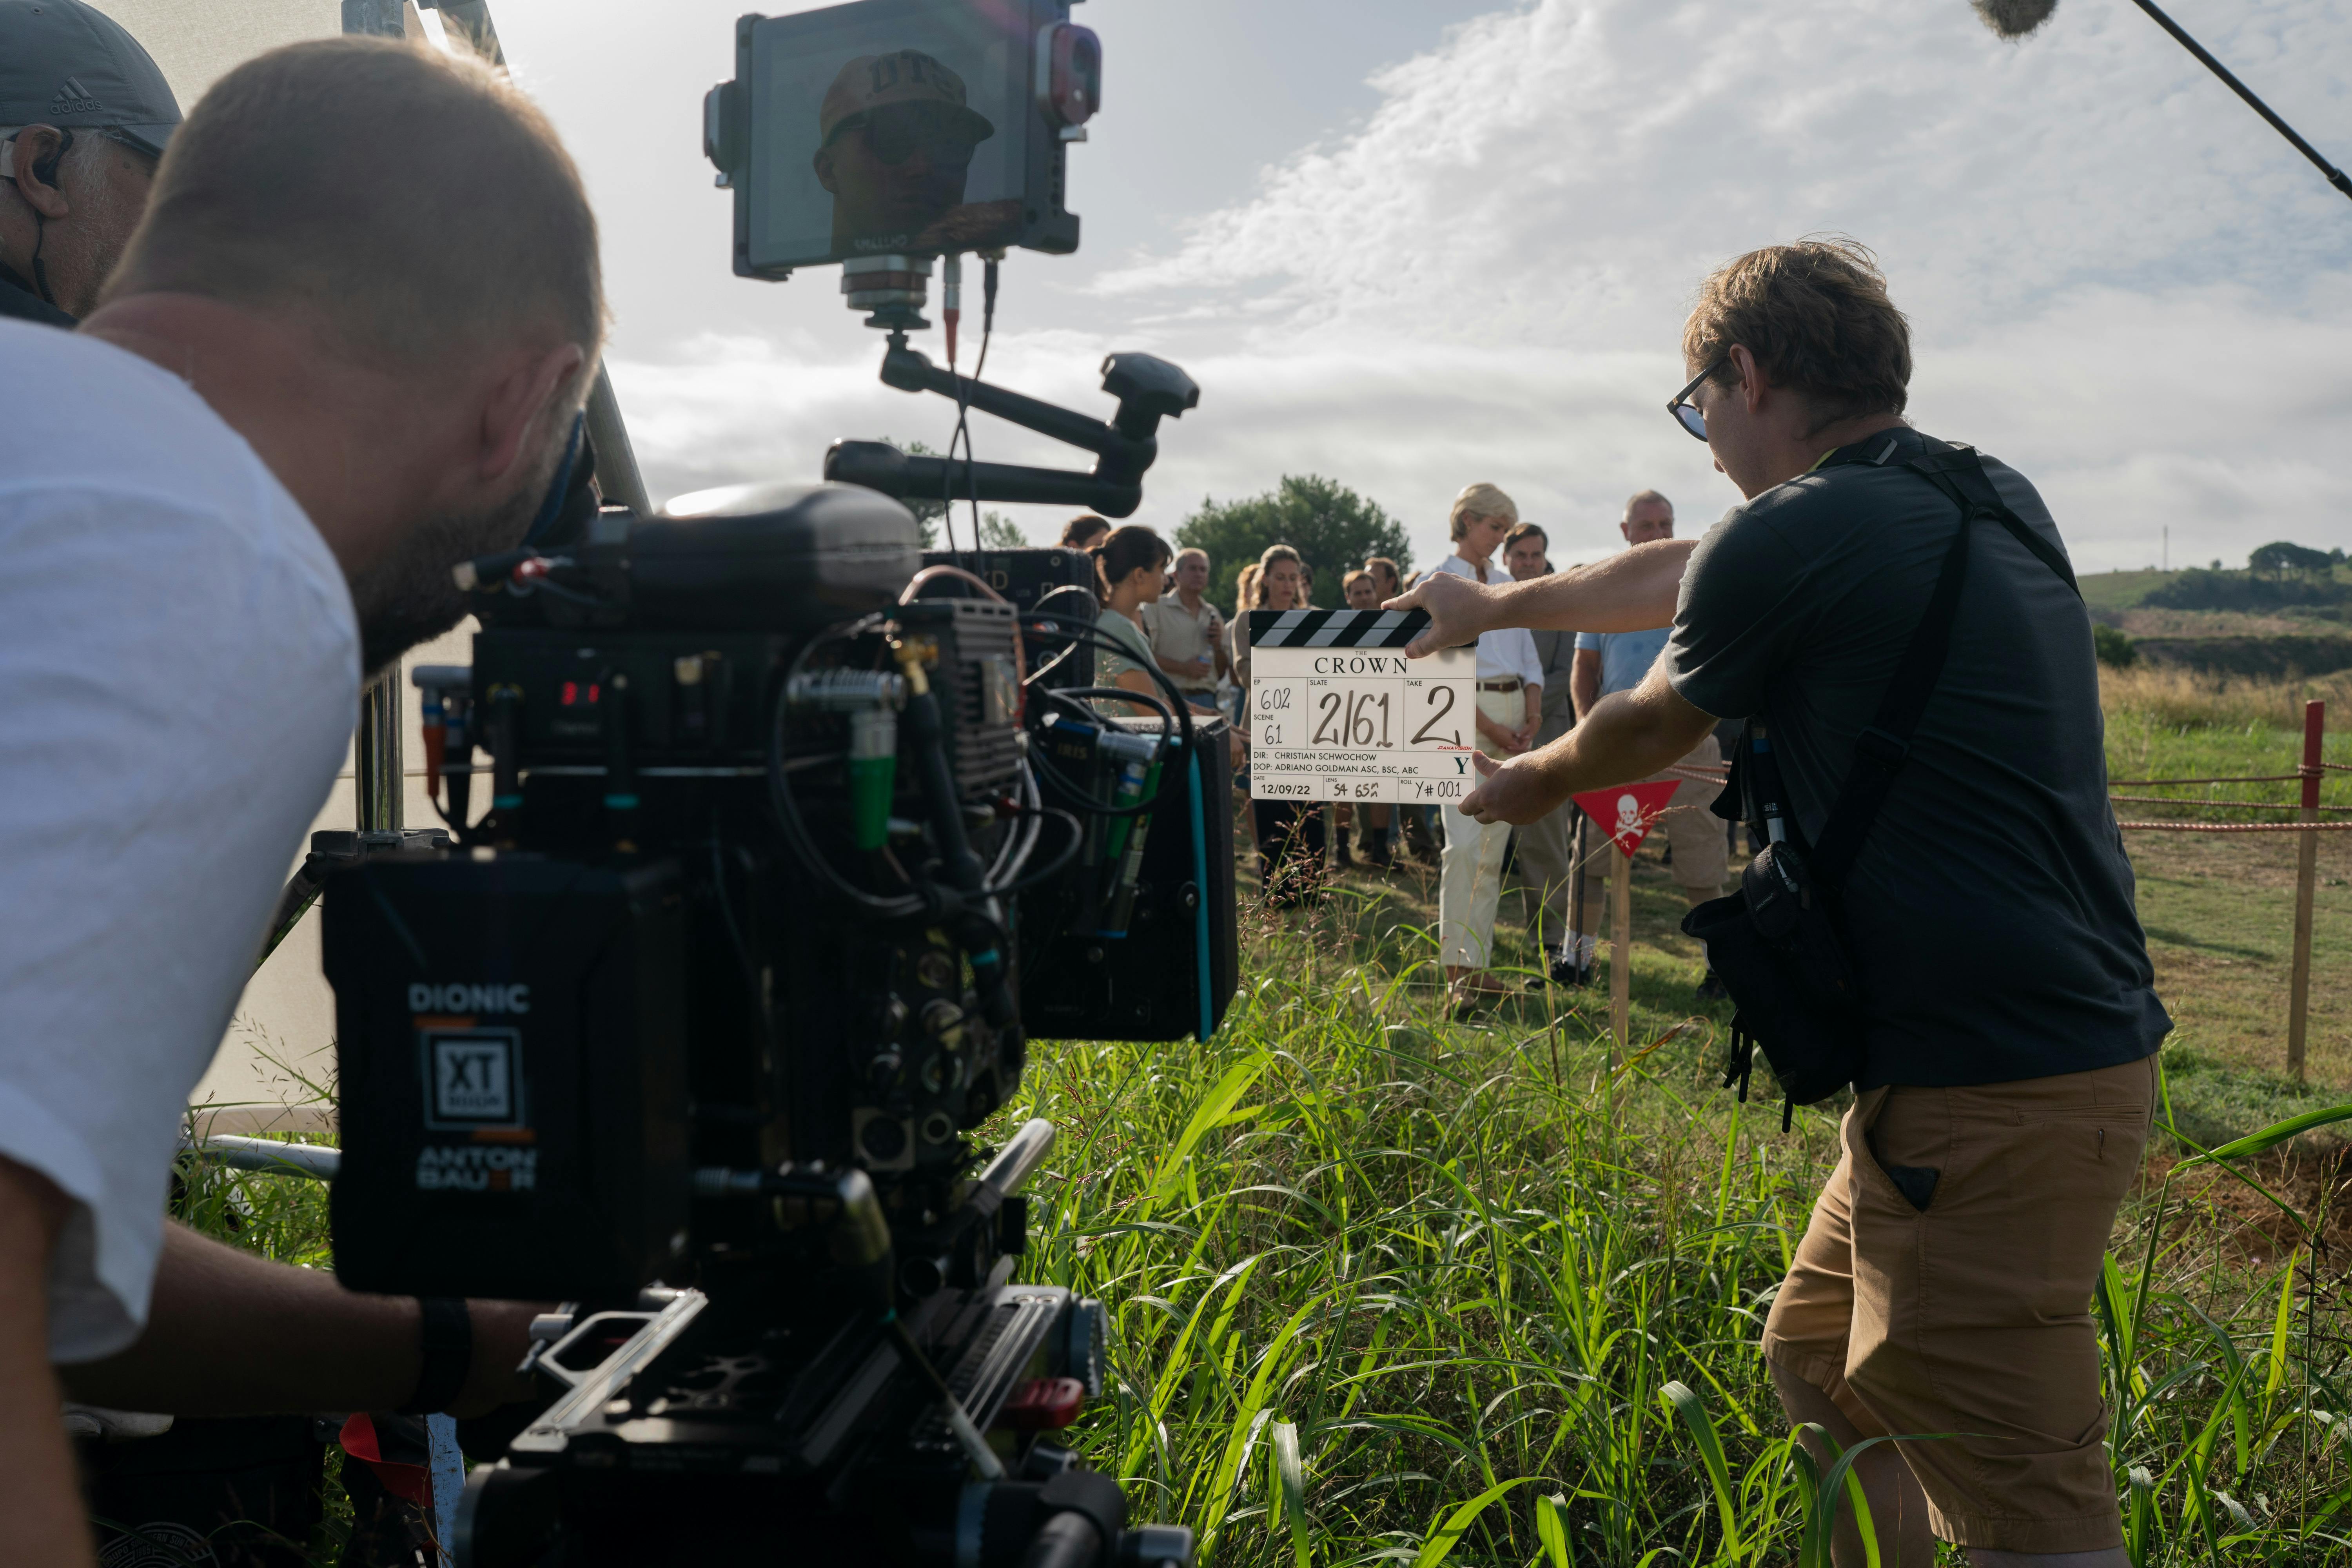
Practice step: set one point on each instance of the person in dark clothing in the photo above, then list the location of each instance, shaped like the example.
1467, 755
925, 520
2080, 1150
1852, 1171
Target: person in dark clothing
1944, 1283
84, 117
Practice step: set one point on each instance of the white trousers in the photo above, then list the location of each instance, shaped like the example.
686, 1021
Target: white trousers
1471, 882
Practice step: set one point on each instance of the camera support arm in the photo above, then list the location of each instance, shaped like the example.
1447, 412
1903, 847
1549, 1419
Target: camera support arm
1147, 390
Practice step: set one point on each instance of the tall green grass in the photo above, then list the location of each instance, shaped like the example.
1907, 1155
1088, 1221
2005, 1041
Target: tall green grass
1386, 1289
2167, 723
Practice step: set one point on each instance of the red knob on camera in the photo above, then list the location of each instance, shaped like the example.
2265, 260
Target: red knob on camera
1044, 1403
1069, 73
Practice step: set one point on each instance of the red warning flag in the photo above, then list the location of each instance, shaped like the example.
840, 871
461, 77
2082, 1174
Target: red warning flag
1627, 812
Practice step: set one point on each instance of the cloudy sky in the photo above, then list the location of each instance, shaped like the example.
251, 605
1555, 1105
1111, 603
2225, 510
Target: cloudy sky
1413, 243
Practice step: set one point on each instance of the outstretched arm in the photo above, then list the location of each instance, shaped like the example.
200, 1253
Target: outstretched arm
1630, 592
1627, 735
230, 1333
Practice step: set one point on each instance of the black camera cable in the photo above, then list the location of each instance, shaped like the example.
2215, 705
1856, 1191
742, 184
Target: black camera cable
1182, 709
962, 432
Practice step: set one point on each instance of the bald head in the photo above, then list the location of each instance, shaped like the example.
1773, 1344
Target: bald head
412, 205
1648, 515
376, 263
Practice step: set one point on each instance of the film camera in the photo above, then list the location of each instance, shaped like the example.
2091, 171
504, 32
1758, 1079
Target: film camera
793, 837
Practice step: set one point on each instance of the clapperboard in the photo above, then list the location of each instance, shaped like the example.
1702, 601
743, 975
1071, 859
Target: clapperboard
1337, 712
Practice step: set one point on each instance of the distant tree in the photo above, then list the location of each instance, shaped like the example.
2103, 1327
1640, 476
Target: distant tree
2279, 558
998, 532
1333, 529
2113, 647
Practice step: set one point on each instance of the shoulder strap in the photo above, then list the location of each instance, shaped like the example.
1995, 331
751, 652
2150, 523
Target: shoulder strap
1885, 744
1958, 472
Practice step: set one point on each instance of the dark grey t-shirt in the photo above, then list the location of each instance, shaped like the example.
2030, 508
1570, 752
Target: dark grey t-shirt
1989, 913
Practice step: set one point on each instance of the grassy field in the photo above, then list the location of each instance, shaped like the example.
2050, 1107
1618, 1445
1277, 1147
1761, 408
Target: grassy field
1389, 1287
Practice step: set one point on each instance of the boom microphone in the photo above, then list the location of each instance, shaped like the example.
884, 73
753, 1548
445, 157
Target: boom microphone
2013, 18
2020, 19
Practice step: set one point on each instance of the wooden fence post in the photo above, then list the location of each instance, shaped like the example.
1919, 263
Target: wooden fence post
2307, 866
1621, 956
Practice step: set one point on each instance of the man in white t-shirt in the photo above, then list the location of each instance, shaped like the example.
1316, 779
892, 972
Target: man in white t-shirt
345, 350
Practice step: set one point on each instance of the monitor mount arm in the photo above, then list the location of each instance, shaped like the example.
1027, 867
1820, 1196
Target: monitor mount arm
1147, 390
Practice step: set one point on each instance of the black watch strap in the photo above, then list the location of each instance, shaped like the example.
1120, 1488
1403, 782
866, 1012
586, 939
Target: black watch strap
447, 1337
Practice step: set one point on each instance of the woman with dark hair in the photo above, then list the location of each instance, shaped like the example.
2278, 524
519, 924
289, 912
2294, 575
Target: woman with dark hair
1290, 832
1131, 567
1084, 531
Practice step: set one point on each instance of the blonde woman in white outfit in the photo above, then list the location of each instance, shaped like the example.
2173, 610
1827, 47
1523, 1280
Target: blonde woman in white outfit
1510, 709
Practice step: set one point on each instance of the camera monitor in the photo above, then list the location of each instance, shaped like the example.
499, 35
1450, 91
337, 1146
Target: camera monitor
901, 127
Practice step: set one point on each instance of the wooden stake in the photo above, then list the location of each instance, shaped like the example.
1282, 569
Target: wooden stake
1621, 954
2306, 866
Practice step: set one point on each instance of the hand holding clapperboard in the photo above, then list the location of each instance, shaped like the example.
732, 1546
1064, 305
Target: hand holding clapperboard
1338, 713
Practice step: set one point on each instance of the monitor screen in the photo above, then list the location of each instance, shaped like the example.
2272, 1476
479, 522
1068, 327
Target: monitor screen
888, 129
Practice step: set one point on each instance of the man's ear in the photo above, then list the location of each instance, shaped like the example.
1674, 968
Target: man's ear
823, 163
515, 401
1752, 385
34, 164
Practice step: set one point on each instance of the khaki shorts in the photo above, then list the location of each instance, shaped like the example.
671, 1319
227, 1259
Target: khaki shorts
1971, 1314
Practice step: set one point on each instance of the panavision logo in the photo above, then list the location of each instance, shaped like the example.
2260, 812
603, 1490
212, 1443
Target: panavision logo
460, 997
74, 99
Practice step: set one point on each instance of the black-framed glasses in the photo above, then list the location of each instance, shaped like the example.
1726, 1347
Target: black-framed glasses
130, 145
1685, 411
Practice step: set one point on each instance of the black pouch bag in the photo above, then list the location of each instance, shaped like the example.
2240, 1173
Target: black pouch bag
1777, 944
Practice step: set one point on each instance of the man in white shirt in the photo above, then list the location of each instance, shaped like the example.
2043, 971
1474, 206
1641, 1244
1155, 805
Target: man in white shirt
345, 350
1188, 634
1511, 711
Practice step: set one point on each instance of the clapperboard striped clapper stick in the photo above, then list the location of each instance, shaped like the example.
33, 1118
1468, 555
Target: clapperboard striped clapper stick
1337, 712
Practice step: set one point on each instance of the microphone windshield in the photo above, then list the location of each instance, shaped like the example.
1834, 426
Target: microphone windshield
2013, 18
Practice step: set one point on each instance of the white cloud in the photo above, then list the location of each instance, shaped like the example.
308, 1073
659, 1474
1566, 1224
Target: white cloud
2119, 278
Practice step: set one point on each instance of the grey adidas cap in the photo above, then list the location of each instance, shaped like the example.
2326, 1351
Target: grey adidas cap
64, 64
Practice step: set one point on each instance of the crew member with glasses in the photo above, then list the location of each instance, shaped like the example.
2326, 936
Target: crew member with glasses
1943, 1282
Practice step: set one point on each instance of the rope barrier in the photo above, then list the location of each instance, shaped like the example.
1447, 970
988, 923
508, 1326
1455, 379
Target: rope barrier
2242, 827
2234, 778
2251, 805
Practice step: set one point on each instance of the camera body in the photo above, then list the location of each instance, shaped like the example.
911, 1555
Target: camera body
794, 836
693, 1027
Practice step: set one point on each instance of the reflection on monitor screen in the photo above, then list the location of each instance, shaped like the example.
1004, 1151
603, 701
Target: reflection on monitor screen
909, 141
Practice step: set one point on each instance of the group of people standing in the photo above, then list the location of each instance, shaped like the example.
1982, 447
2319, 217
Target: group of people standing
1533, 686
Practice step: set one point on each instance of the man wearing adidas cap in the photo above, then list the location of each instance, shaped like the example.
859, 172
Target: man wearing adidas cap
84, 115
